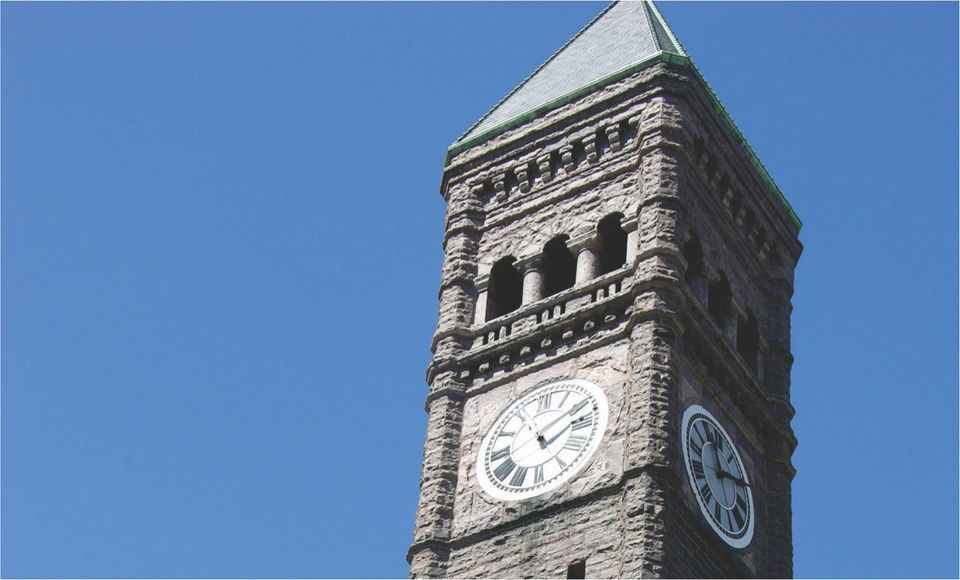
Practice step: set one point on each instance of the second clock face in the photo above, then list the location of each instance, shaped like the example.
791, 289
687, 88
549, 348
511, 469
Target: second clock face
717, 476
542, 439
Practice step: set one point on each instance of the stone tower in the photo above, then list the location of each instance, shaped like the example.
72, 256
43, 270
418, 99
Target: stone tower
609, 394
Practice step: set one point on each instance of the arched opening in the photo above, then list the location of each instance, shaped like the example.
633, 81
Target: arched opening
748, 340
559, 266
719, 300
612, 243
504, 289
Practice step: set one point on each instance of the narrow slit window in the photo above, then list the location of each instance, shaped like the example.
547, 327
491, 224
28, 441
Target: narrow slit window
613, 243
577, 569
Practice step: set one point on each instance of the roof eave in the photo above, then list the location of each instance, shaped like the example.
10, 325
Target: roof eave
685, 61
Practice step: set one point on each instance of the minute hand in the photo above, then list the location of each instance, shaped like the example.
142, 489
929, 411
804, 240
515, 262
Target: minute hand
739, 480
570, 413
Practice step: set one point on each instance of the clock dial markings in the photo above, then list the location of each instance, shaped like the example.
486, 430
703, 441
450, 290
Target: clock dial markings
582, 423
500, 454
543, 401
583, 403
504, 469
542, 439
717, 476
575, 443
519, 475
698, 469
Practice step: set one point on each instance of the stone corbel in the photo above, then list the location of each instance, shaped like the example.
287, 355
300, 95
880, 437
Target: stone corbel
522, 172
546, 171
613, 136
728, 196
566, 159
765, 249
500, 187
590, 147
740, 216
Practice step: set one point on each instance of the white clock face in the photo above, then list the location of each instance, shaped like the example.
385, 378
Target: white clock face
542, 439
717, 477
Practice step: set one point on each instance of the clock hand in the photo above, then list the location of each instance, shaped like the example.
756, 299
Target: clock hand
720, 473
733, 477
529, 423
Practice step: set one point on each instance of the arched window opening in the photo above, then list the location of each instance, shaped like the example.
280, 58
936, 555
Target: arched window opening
559, 266
719, 300
748, 340
504, 290
612, 243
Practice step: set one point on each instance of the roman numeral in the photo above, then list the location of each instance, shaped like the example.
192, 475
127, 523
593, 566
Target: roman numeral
538, 474
578, 406
582, 422
716, 510
543, 401
506, 434
564, 399
700, 431
697, 469
697, 448
575, 442
518, 477
504, 469
560, 462
499, 454
738, 517
725, 519
705, 492
712, 436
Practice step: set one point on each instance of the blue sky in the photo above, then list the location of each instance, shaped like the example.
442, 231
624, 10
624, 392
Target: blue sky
221, 249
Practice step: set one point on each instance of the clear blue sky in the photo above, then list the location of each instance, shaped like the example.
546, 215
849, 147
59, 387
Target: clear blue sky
221, 248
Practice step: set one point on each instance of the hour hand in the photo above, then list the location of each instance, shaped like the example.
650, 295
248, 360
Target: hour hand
529, 422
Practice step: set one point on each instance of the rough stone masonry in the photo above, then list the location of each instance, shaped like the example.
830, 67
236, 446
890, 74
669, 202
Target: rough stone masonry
697, 311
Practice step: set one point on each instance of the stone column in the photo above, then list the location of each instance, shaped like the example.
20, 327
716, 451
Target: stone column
480, 312
779, 514
532, 283
655, 320
438, 480
633, 238
588, 264
441, 453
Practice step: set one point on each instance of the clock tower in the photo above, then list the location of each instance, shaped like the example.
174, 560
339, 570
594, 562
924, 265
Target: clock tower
609, 394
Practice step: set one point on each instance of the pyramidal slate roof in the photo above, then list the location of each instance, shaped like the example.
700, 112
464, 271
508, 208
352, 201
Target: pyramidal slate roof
626, 34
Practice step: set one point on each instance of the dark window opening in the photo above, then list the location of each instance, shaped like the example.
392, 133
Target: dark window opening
748, 340
577, 569
559, 266
693, 254
719, 300
612, 243
505, 289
